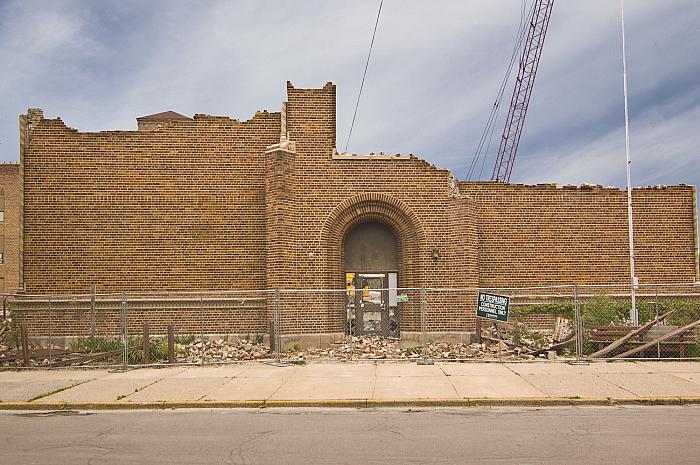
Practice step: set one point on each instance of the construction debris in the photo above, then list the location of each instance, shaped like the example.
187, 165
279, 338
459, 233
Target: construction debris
222, 349
516, 341
665, 337
632, 334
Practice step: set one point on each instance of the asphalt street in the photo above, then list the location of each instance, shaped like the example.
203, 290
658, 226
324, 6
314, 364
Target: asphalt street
560, 435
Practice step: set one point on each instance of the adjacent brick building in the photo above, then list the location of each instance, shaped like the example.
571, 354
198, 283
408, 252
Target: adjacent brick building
9, 227
213, 203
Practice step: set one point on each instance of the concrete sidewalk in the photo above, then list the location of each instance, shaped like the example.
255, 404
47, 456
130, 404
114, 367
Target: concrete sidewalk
355, 384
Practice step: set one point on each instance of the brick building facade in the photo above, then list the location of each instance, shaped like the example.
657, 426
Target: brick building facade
213, 203
9, 227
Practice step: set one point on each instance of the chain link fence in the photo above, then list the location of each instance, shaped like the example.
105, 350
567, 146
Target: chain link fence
565, 323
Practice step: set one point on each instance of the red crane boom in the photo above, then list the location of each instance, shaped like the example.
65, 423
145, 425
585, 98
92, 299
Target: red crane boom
529, 60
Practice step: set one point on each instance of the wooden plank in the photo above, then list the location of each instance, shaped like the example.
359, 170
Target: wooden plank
272, 336
146, 344
510, 345
478, 330
658, 340
557, 346
171, 344
88, 358
25, 344
637, 332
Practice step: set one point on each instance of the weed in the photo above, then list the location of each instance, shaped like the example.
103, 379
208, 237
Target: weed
93, 345
185, 339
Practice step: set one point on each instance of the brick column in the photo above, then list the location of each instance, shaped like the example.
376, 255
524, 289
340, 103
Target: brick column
279, 263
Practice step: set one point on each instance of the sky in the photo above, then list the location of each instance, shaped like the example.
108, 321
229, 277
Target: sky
433, 77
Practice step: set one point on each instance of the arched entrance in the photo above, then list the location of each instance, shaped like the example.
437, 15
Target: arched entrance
371, 262
408, 233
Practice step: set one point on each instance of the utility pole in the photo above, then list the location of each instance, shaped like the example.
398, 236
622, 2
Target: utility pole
634, 316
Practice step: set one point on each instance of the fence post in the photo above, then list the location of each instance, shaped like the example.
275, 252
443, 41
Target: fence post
146, 344
656, 306
125, 335
277, 323
50, 333
423, 322
93, 291
579, 324
201, 327
171, 343
359, 320
478, 330
25, 343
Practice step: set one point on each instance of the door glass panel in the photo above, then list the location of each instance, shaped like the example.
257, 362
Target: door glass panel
372, 301
393, 284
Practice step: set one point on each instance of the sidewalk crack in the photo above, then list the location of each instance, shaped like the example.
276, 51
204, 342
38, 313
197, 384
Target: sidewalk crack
449, 381
617, 385
139, 389
526, 380
224, 383
56, 391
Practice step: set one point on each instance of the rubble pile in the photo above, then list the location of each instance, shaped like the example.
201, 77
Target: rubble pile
514, 340
353, 348
221, 349
446, 350
4, 335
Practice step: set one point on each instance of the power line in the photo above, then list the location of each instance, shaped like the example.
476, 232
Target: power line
357, 105
487, 133
491, 122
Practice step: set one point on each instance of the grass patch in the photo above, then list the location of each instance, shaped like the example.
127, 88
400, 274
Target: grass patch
185, 339
158, 348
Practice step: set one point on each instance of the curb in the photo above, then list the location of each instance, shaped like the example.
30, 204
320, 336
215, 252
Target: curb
359, 403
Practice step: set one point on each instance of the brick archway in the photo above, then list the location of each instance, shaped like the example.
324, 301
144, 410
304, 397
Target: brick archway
384, 209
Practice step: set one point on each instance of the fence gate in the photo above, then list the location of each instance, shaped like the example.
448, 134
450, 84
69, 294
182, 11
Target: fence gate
371, 309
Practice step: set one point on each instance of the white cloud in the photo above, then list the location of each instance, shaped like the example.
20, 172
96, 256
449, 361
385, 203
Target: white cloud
662, 151
432, 80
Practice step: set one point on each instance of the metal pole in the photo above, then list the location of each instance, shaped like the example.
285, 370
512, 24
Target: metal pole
634, 316
579, 324
93, 291
201, 326
358, 316
423, 322
498, 346
656, 305
50, 333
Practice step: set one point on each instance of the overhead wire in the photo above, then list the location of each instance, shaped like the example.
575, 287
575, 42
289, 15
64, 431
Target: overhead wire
484, 144
364, 75
491, 122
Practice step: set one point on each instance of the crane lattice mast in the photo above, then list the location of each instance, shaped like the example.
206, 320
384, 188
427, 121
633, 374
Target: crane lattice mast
529, 60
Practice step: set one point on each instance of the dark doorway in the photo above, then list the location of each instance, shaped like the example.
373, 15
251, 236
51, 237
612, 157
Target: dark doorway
371, 276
